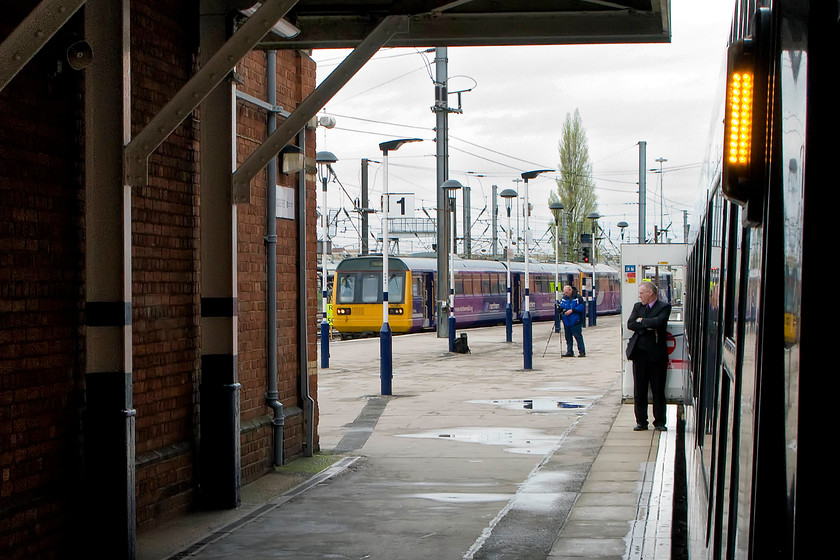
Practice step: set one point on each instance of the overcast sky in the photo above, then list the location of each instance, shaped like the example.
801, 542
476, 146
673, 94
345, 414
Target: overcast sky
663, 94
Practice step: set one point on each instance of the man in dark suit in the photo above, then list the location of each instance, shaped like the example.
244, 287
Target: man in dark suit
649, 352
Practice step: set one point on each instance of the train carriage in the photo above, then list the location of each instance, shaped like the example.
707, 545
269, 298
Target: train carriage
480, 292
757, 468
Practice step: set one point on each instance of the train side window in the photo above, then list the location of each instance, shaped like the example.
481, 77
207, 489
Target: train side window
459, 285
485, 283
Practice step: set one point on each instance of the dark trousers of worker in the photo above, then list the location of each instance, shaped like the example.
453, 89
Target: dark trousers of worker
575, 331
647, 373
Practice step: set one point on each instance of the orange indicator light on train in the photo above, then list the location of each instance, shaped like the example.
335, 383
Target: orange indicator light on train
740, 100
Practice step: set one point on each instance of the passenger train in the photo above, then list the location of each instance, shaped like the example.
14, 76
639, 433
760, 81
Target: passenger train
480, 292
758, 422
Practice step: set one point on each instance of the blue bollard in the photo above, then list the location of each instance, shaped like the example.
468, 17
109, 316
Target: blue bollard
527, 339
556, 316
386, 373
325, 344
451, 333
508, 324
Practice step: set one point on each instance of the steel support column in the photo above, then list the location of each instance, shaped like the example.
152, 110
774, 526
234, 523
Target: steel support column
219, 461
109, 528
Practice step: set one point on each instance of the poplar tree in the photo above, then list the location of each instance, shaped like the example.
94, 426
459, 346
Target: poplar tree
575, 186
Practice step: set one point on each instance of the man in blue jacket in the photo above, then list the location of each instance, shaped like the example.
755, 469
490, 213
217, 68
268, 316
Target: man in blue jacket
572, 308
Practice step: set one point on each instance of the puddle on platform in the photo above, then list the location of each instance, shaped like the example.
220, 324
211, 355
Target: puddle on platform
516, 440
539, 404
462, 497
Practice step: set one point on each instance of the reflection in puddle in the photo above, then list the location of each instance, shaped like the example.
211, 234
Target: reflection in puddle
516, 440
539, 404
462, 497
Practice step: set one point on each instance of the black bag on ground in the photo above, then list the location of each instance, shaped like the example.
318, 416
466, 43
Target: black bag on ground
461, 345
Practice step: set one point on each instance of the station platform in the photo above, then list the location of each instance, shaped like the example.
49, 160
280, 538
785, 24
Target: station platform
471, 457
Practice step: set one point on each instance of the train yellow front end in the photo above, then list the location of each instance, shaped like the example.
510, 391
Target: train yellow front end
357, 296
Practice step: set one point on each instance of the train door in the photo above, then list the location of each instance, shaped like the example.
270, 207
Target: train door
516, 294
428, 299
634, 257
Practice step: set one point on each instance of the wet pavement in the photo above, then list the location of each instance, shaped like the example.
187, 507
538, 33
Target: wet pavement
472, 457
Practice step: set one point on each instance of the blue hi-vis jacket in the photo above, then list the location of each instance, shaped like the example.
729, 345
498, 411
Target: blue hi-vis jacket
577, 305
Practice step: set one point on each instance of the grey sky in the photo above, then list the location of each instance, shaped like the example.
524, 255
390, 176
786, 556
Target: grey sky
512, 119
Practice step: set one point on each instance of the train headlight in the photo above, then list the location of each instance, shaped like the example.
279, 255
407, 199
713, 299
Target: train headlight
395, 311
746, 118
342, 311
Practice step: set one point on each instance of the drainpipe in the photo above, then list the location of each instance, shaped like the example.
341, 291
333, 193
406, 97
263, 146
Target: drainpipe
308, 404
271, 395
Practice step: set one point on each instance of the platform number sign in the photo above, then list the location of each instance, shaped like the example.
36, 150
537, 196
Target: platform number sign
400, 205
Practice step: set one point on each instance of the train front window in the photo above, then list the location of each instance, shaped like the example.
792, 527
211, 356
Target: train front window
371, 288
366, 287
346, 288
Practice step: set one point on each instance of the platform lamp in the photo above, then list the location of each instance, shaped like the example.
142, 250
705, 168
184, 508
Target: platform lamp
593, 307
324, 160
556, 208
621, 226
527, 332
386, 371
450, 188
508, 195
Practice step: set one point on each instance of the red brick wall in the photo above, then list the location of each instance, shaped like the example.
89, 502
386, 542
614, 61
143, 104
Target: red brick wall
42, 283
41, 346
165, 265
251, 131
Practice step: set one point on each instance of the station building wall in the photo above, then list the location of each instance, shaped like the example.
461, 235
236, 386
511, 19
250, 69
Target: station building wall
42, 284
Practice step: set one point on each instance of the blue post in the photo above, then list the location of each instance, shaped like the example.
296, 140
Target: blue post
508, 322
556, 316
451, 333
325, 343
527, 339
386, 372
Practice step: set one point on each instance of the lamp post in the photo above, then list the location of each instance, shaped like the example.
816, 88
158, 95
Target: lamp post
621, 225
593, 307
324, 160
556, 208
508, 195
660, 161
386, 372
527, 332
451, 187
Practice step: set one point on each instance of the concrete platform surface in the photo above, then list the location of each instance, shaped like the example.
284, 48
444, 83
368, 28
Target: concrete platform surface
471, 457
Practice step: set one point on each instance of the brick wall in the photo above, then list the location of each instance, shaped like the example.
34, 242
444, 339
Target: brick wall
165, 266
41, 346
42, 284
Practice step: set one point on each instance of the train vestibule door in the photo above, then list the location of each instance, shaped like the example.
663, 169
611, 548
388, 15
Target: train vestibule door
635, 260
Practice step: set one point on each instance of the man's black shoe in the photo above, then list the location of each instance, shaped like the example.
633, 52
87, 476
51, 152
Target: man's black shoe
640, 427
660, 428
582, 355
568, 355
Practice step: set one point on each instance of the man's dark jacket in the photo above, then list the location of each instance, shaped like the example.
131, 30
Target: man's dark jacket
649, 335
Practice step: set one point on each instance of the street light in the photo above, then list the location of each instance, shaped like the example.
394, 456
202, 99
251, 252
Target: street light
450, 188
556, 208
527, 332
324, 160
508, 195
621, 226
593, 308
660, 161
386, 372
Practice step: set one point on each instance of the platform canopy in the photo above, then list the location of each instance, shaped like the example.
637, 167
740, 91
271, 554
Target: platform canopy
431, 23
